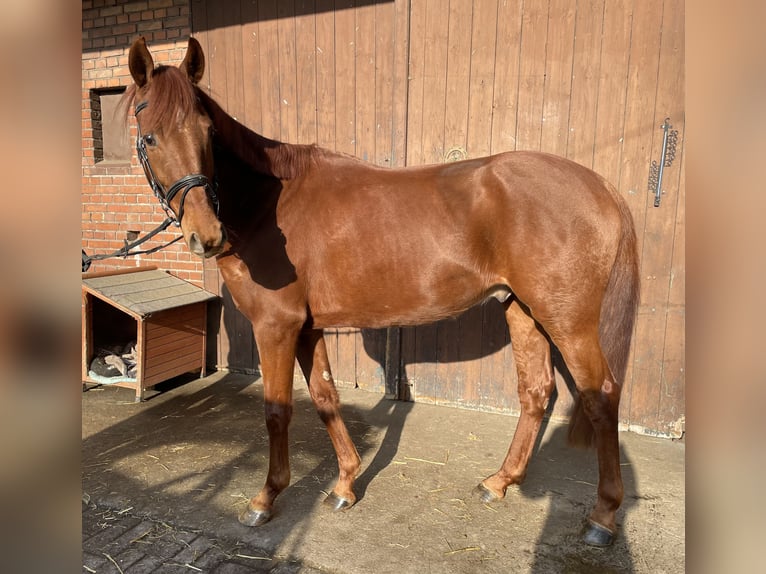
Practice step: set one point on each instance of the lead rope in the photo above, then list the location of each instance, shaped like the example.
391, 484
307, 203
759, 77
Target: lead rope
125, 250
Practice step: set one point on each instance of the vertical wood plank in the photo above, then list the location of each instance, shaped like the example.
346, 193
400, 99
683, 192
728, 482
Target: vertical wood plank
586, 67
408, 364
416, 83
325, 73
483, 55
498, 371
211, 282
288, 98
364, 62
306, 81
506, 89
251, 61
383, 126
558, 76
448, 378
345, 78
673, 392
534, 38
216, 44
401, 43
470, 359
371, 360
435, 81
612, 89
331, 342
345, 367
269, 61
232, 39
458, 79
422, 371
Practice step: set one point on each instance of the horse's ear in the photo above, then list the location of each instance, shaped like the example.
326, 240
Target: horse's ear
140, 62
194, 61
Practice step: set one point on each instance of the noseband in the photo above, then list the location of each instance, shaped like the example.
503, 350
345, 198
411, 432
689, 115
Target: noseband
183, 185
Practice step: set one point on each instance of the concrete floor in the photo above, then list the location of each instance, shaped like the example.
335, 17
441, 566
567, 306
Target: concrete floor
190, 457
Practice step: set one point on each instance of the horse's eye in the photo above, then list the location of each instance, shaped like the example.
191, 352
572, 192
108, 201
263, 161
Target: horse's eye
149, 140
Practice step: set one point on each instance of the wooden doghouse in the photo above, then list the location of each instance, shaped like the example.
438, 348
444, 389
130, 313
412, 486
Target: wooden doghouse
165, 316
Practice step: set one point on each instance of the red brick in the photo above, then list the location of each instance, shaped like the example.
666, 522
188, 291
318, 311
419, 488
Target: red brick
153, 4
110, 11
149, 25
135, 7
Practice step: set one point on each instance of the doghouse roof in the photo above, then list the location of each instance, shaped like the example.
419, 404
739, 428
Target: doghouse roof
144, 292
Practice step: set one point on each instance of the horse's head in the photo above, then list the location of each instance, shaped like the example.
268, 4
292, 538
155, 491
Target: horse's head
175, 144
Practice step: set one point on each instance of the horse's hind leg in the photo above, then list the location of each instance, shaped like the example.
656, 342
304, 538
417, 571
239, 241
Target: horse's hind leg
599, 398
531, 351
312, 357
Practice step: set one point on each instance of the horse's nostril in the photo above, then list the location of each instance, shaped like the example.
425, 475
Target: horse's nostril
195, 244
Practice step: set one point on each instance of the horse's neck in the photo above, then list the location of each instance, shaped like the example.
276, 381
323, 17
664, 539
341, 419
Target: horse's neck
263, 155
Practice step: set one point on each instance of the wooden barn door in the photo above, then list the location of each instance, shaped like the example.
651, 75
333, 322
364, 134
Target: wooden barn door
409, 82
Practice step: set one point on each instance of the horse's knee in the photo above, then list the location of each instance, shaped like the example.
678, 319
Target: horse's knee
277, 417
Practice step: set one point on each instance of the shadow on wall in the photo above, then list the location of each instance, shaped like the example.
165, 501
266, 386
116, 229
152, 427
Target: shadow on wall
467, 360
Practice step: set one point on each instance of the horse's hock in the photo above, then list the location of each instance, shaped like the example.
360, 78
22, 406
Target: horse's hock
141, 327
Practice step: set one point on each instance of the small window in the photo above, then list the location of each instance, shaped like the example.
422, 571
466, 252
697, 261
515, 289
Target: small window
110, 133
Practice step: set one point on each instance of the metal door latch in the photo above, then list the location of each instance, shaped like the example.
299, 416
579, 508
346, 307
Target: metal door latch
669, 143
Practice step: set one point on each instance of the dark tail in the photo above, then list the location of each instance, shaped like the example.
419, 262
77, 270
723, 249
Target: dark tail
618, 316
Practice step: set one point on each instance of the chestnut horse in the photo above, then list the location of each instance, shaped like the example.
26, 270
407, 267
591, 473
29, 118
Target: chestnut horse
307, 239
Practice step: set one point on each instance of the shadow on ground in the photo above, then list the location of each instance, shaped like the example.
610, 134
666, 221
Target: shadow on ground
191, 457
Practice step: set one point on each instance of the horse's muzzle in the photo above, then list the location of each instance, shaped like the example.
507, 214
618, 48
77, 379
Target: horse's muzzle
206, 249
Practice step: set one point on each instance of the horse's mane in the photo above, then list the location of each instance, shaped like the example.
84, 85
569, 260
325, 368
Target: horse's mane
264, 155
172, 96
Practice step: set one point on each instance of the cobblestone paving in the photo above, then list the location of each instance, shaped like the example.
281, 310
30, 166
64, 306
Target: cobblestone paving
116, 541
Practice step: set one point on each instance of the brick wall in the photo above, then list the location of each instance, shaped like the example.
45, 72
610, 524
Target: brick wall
115, 196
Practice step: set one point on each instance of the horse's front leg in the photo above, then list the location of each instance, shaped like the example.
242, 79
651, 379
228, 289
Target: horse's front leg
276, 346
312, 357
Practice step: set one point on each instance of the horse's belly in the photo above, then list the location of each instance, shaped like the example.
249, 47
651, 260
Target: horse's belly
381, 302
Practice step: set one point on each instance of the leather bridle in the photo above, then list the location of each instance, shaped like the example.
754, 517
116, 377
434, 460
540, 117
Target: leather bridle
183, 185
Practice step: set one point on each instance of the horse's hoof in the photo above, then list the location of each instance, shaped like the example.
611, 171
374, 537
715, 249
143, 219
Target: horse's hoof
597, 535
485, 494
335, 502
252, 517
